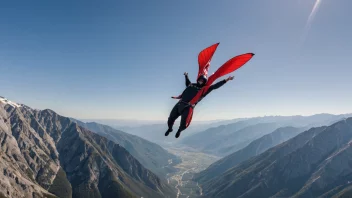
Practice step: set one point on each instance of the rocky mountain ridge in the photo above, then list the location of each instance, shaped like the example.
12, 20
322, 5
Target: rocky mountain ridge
315, 163
44, 154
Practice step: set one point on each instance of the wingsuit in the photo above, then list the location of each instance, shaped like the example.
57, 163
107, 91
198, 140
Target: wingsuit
183, 107
195, 92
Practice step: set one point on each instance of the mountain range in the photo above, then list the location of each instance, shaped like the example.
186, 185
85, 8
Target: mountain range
315, 163
44, 154
155, 132
255, 148
226, 139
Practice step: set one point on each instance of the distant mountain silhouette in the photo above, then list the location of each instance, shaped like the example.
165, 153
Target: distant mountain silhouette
226, 139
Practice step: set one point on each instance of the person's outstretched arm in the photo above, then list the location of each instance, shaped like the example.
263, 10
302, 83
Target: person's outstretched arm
218, 85
188, 82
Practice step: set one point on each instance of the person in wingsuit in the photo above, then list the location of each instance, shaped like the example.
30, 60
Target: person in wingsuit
195, 92
183, 107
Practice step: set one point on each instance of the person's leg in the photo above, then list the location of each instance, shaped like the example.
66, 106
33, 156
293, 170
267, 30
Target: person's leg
174, 114
186, 117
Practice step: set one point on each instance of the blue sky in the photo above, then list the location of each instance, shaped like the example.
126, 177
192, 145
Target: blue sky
124, 59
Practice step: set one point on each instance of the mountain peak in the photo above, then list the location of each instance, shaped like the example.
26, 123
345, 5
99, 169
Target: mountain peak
5, 101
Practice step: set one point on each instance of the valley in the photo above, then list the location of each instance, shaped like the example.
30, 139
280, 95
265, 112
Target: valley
192, 162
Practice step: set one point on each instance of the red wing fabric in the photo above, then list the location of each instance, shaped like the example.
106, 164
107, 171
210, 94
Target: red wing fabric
204, 59
230, 66
189, 117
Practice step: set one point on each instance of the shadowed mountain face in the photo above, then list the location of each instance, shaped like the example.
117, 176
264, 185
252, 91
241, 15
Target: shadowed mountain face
255, 148
46, 155
315, 163
150, 155
226, 139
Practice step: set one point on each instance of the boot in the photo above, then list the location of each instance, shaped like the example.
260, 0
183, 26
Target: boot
168, 131
178, 134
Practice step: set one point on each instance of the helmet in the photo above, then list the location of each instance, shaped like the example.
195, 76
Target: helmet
204, 78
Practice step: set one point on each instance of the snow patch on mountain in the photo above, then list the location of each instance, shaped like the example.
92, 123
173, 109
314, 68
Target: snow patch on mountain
6, 101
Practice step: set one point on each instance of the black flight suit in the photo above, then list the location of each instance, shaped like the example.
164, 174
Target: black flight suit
182, 107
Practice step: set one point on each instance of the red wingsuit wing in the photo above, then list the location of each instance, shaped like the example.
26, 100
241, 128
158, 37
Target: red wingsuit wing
230, 66
204, 59
189, 118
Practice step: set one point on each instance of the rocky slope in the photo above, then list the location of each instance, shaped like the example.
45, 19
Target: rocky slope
315, 163
150, 155
44, 154
255, 148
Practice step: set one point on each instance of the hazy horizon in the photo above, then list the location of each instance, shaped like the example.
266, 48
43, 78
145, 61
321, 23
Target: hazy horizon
196, 121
